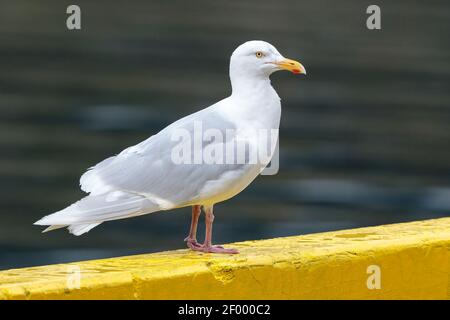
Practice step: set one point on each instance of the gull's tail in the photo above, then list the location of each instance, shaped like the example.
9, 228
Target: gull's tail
90, 211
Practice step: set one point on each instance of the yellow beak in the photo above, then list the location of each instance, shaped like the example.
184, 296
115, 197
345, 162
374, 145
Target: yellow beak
291, 65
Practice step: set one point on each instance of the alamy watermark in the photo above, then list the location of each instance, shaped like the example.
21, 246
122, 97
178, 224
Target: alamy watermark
373, 21
73, 278
374, 279
73, 21
212, 146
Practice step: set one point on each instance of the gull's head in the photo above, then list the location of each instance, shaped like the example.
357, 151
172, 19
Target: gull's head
260, 59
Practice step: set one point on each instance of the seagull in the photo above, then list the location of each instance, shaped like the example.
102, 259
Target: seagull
150, 177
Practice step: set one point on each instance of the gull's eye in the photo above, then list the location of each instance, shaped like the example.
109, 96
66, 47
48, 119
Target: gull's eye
259, 54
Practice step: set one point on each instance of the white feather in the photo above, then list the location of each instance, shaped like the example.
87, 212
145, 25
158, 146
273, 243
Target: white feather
96, 209
79, 229
54, 227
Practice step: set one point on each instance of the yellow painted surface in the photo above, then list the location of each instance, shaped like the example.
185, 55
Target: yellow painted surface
414, 262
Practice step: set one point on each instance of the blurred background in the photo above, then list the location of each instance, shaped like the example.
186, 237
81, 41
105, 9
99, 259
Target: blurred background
364, 141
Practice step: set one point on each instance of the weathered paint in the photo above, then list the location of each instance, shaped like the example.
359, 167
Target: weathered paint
414, 260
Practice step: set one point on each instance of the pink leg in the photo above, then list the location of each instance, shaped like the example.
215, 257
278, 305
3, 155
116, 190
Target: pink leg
191, 239
207, 245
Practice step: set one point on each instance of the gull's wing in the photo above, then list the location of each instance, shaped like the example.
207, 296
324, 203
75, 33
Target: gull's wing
145, 178
147, 168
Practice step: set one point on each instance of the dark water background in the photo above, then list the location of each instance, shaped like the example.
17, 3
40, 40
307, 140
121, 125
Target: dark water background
364, 137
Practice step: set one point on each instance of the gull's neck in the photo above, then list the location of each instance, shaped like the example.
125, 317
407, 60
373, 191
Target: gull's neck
255, 100
249, 87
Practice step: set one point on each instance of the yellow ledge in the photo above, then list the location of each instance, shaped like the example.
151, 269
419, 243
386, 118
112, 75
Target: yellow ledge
405, 261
